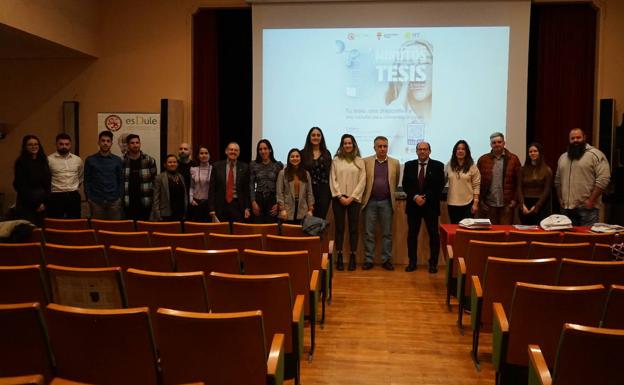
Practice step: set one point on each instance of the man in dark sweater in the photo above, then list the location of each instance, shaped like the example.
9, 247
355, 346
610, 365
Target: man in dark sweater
103, 180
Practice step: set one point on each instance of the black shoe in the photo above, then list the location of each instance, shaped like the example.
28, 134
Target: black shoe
388, 266
433, 269
411, 267
339, 262
351, 262
367, 266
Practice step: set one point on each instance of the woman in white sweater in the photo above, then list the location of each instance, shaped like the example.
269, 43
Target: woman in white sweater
464, 183
347, 182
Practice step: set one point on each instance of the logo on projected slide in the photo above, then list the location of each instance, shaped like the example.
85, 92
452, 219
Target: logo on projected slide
113, 122
379, 35
351, 36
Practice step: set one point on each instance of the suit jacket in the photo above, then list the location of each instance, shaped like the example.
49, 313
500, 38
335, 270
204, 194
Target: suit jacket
161, 205
394, 171
286, 196
432, 189
216, 196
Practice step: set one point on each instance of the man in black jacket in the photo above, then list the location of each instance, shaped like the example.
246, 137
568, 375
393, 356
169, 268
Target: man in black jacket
228, 199
423, 181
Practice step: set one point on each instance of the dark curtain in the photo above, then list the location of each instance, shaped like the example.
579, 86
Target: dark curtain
561, 74
222, 80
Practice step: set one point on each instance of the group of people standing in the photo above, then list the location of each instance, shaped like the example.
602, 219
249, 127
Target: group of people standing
265, 191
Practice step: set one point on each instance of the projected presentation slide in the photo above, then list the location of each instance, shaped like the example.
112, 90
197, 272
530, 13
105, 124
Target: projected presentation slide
409, 84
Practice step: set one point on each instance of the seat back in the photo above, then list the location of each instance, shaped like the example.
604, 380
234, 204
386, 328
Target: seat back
212, 347
538, 313
288, 230
613, 316
25, 348
239, 228
479, 251
240, 242
295, 263
29, 379
145, 258
102, 346
23, 284
75, 256
95, 288
222, 261
16, 254
587, 355
207, 227
126, 239
310, 244
578, 237
463, 238
539, 250
126, 225
66, 224
230, 293
173, 227
602, 252
501, 275
534, 236
578, 272
186, 240
70, 237
179, 291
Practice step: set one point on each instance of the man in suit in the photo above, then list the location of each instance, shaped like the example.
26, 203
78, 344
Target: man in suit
382, 179
228, 198
423, 181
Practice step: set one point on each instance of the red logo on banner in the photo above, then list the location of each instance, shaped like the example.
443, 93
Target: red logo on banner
113, 122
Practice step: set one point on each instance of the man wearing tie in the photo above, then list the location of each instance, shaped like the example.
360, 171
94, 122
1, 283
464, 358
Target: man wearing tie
423, 181
228, 199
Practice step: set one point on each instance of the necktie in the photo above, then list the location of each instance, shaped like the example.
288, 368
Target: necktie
229, 185
421, 176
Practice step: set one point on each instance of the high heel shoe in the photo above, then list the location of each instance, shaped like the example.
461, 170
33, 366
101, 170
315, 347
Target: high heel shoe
339, 262
351, 262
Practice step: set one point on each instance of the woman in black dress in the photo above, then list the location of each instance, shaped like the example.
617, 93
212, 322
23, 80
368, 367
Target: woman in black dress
32, 181
262, 178
317, 160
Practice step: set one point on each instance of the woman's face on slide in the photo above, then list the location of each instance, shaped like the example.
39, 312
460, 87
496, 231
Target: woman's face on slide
171, 164
204, 155
315, 137
421, 89
460, 152
347, 145
264, 151
533, 153
294, 158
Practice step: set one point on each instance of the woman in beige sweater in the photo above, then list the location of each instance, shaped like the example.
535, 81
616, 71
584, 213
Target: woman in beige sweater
464, 183
347, 182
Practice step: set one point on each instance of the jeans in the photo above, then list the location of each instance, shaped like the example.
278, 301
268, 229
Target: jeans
497, 215
353, 212
378, 212
111, 210
582, 216
322, 199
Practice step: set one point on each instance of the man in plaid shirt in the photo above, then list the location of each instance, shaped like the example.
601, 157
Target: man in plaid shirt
139, 172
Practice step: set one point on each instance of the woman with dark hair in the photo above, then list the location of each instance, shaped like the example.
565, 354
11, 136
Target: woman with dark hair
464, 183
294, 190
170, 195
200, 185
534, 186
317, 161
347, 183
262, 178
32, 181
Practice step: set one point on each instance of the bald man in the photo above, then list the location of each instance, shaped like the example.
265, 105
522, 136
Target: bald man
185, 162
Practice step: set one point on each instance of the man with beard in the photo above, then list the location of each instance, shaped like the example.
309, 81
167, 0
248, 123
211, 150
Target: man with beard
582, 175
185, 162
66, 169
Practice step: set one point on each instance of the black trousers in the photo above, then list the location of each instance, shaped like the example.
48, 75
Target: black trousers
457, 213
353, 213
413, 222
63, 205
322, 199
266, 202
231, 212
199, 213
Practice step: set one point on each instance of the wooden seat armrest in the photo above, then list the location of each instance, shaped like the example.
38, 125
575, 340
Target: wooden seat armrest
315, 281
297, 311
476, 302
275, 361
18, 380
449, 251
538, 370
324, 261
330, 248
298, 324
461, 278
500, 335
63, 381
